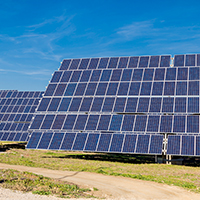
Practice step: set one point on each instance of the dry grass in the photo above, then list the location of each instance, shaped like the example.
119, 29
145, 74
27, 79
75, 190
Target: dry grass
110, 164
29, 182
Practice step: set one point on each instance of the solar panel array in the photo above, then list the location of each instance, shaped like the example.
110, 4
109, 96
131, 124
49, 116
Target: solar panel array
119, 99
16, 112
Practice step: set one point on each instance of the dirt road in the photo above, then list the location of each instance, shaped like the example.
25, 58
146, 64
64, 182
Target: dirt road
112, 187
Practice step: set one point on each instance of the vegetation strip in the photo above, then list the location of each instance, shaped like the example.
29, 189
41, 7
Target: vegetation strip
37, 184
132, 166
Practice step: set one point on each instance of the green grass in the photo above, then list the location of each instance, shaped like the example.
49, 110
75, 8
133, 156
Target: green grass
132, 166
37, 184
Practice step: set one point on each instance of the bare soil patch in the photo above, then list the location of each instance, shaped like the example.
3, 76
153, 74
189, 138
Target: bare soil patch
112, 187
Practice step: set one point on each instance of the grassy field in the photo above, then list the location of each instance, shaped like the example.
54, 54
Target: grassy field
29, 182
133, 166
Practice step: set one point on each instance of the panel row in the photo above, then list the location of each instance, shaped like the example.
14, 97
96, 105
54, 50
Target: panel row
116, 75
17, 94
115, 123
187, 60
116, 143
18, 102
124, 89
121, 104
183, 145
16, 117
116, 62
14, 136
4, 126
17, 109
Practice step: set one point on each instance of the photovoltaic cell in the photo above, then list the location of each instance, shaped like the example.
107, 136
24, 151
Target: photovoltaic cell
194, 73
80, 141
56, 77
60, 90
92, 122
45, 140
80, 122
104, 122
146, 88
68, 141
47, 121
56, 141
119, 104
166, 124
103, 63
193, 124
137, 75
157, 88
65, 64
112, 89
181, 88
165, 61
84, 63
33, 142
92, 142
179, 124
131, 104
148, 74
113, 63
133, 62
128, 123
116, 143
134, 88
153, 123
155, 104
123, 62
193, 88
193, 104
144, 61
187, 145
143, 105
190, 60
74, 64
97, 104
140, 124
93, 63
129, 144
142, 144
66, 76
64, 104
86, 104
173, 147
154, 61
116, 122
182, 74
104, 142
156, 144
159, 74
179, 60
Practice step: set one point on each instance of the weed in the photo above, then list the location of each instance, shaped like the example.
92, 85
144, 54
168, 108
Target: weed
132, 166
37, 184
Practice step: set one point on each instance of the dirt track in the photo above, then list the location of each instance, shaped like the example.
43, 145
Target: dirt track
113, 187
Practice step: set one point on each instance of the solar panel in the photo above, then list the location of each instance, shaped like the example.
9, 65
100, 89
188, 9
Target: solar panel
99, 104
97, 142
16, 113
186, 145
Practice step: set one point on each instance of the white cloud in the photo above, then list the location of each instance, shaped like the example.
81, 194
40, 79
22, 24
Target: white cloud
36, 72
35, 39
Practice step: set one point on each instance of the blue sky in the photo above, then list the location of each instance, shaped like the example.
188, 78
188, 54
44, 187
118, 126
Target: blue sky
35, 36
